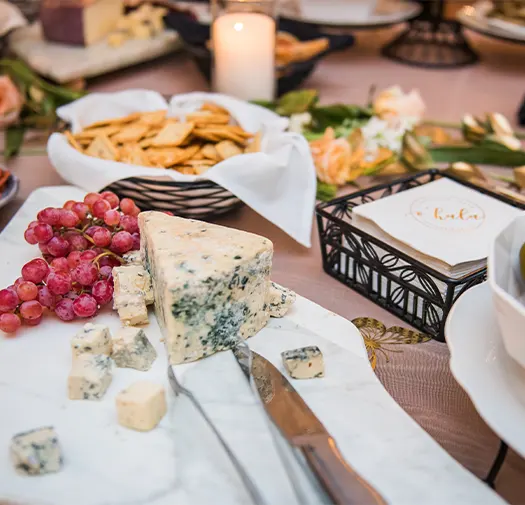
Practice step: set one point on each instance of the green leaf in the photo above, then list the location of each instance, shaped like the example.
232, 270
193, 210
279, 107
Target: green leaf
265, 103
296, 102
379, 166
312, 135
478, 154
326, 192
335, 115
14, 136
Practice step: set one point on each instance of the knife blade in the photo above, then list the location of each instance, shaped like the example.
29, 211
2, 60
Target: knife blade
304, 431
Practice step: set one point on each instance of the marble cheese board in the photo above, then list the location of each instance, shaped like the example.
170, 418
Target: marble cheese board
180, 461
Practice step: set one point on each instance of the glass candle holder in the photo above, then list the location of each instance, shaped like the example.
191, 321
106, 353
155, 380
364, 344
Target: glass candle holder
243, 45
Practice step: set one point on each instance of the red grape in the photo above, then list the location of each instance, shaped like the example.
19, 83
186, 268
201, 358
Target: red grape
122, 242
85, 306
32, 224
43, 233
27, 291
76, 241
85, 274
35, 271
88, 255
44, 251
18, 281
59, 283
8, 300
129, 224
168, 212
106, 271
46, 298
60, 264
102, 292
49, 215
68, 218
91, 230
33, 322
73, 259
81, 210
127, 205
30, 236
135, 212
69, 204
58, 246
64, 309
9, 323
136, 241
110, 197
91, 198
31, 310
100, 207
109, 261
102, 237
112, 217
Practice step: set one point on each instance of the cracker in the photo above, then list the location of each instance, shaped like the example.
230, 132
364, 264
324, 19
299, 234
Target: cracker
206, 136
134, 155
101, 147
130, 133
227, 149
114, 121
188, 153
96, 132
185, 170
72, 141
212, 107
209, 151
207, 117
255, 145
154, 118
173, 134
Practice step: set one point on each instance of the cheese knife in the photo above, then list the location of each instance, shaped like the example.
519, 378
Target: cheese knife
304, 432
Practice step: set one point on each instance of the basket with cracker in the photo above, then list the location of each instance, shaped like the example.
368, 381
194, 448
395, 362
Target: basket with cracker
198, 156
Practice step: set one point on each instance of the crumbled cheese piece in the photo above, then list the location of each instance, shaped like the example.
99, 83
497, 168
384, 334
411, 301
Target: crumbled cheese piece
131, 309
132, 349
304, 363
132, 280
92, 339
90, 377
36, 452
210, 283
133, 258
141, 406
279, 299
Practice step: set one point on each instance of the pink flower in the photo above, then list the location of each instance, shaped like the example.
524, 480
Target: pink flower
11, 102
392, 104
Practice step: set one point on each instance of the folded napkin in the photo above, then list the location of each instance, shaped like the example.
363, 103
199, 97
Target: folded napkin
279, 182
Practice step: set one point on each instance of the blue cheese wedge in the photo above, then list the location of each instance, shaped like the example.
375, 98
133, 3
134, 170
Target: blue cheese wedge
141, 406
90, 377
279, 300
36, 452
92, 339
132, 349
304, 363
210, 283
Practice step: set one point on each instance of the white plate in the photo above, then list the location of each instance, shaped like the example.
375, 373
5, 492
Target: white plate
337, 13
482, 367
475, 18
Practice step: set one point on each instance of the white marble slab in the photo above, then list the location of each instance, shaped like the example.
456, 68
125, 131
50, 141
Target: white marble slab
180, 462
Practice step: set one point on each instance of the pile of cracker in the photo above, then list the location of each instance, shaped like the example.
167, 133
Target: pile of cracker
152, 139
289, 49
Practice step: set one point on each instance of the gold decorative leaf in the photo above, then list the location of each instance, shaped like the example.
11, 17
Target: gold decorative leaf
376, 335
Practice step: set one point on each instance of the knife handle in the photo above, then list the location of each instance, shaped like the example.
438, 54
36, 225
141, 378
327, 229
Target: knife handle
340, 481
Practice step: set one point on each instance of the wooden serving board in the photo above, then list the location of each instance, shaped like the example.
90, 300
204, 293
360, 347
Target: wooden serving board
63, 63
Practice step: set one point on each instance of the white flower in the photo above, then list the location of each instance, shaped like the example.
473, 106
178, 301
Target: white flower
299, 121
380, 133
393, 103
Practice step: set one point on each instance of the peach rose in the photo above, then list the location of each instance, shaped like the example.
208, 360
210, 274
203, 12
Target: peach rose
331, 158
393, 103
11, 102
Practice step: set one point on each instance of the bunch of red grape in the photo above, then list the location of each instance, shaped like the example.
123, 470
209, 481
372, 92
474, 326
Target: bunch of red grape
80, 243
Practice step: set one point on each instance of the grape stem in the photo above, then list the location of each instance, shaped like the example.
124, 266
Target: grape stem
107, 253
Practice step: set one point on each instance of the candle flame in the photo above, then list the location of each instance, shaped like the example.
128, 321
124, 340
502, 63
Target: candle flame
238, 26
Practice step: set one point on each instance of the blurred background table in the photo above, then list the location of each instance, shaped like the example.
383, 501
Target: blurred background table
419, 377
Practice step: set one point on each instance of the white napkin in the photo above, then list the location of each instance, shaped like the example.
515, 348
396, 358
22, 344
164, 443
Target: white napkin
279, 182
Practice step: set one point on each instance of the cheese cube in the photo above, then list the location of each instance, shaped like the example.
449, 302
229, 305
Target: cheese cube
279, 299
92, 339
141, 406
210, 283
36, 452
133, 258
131, 309
304, 363
133, 280
132, 349
90, 377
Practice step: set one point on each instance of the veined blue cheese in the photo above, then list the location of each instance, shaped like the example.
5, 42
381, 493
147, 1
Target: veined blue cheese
133, 280
304, 363
90, 377
92, 339
132, 349
210, 283
36, 452
279, 299
133, 258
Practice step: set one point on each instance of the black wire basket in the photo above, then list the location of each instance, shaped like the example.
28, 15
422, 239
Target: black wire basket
411, 290
196, 200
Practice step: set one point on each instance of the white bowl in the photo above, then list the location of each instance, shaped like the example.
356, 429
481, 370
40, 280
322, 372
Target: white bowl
508, 287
